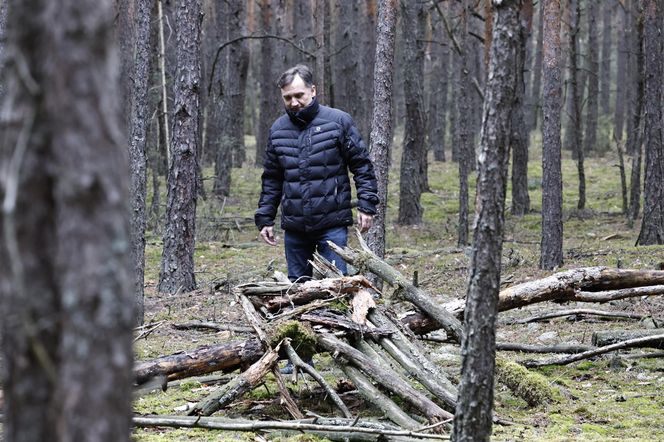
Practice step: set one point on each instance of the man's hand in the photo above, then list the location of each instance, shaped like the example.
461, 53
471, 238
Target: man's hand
364, 220
267, 233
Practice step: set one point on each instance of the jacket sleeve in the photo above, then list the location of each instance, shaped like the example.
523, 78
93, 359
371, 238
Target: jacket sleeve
272, 183
357, 157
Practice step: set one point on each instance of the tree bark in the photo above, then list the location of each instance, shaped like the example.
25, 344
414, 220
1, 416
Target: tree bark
652, 225
575, 118
66, 284
624, 34
635, 125
177, 261
551, 250
438, 103
535, 93
605, 63
592, 69
520, 137
413, 158
609, 337
473, 417
380, 141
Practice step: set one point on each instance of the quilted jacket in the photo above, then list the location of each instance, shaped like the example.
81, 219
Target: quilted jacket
306, 168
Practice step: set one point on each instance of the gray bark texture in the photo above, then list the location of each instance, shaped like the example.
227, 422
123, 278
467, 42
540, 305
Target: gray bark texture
592, 69
473, 417
177, 260
380, 144
66, 286
520, 137
270, 100
608, 9
138, 130
535, 91
652, 226
551, 251
463, 123
414, 149
635, 121
623, 36
575, 101
437, 121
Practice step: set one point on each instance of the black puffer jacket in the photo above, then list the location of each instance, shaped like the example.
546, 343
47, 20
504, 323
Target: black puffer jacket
306, 168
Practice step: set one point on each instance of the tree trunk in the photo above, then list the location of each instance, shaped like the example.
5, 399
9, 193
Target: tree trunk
177, 261
605, 67
551, 252
269, 100
473, 417
414, 151
520, 137
602, 338
463, 125
437, 121
624, 34
652, 226
139, 117
380, 145
66, 284
592, 69
575, 101
535, 92
634, 140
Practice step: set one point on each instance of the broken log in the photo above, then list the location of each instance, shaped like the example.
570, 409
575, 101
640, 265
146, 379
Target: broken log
215, 326
244, 382
574, 312
529, 348
428, 408
225, 357
608, 337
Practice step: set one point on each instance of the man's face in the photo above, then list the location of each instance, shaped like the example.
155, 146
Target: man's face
297, 95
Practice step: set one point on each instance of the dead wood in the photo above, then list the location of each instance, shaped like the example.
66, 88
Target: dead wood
608, 337
299, 363
247, 380
574, 312
215, 326
596, 352
432, 411
368, 260
376, 397
225, 357
532, 387
344, 430
322, 317
286, 398
413, 360
528, 348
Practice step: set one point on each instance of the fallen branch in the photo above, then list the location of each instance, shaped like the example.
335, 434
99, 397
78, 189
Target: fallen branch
206, 325
298, 362
574, 312
608, 337
308, 426
528, 348
596, 352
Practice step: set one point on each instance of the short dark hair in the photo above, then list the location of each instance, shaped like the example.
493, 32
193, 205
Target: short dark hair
301, 70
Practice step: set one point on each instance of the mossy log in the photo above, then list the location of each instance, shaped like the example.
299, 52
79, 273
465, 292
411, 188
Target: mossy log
532, 387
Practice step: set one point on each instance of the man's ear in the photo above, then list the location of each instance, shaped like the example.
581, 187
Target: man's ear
313, 90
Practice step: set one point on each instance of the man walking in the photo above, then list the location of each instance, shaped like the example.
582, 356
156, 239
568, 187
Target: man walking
309, 153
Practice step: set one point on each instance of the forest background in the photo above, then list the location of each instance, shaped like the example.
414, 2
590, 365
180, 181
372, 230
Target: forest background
608, 92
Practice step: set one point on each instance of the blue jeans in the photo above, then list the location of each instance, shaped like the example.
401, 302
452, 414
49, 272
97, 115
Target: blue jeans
300, 248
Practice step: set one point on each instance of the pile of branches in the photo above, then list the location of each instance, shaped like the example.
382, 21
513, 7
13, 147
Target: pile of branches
381, 354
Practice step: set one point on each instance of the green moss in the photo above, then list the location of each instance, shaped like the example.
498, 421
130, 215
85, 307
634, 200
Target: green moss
532, 387
303, 338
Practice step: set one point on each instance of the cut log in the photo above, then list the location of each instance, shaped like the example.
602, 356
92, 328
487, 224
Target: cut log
575, 312
225, 357
608, 337
238, 386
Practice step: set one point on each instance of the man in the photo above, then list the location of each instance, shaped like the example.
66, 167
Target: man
310, 150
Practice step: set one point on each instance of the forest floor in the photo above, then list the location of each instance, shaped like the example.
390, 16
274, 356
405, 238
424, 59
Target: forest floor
602, 399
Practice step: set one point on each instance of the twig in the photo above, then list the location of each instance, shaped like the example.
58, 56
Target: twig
527, 348
147, 330
591, 353
579, 311
206, 325
298, 362
286, 397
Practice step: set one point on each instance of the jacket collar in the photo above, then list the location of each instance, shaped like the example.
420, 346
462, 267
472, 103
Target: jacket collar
304, 116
